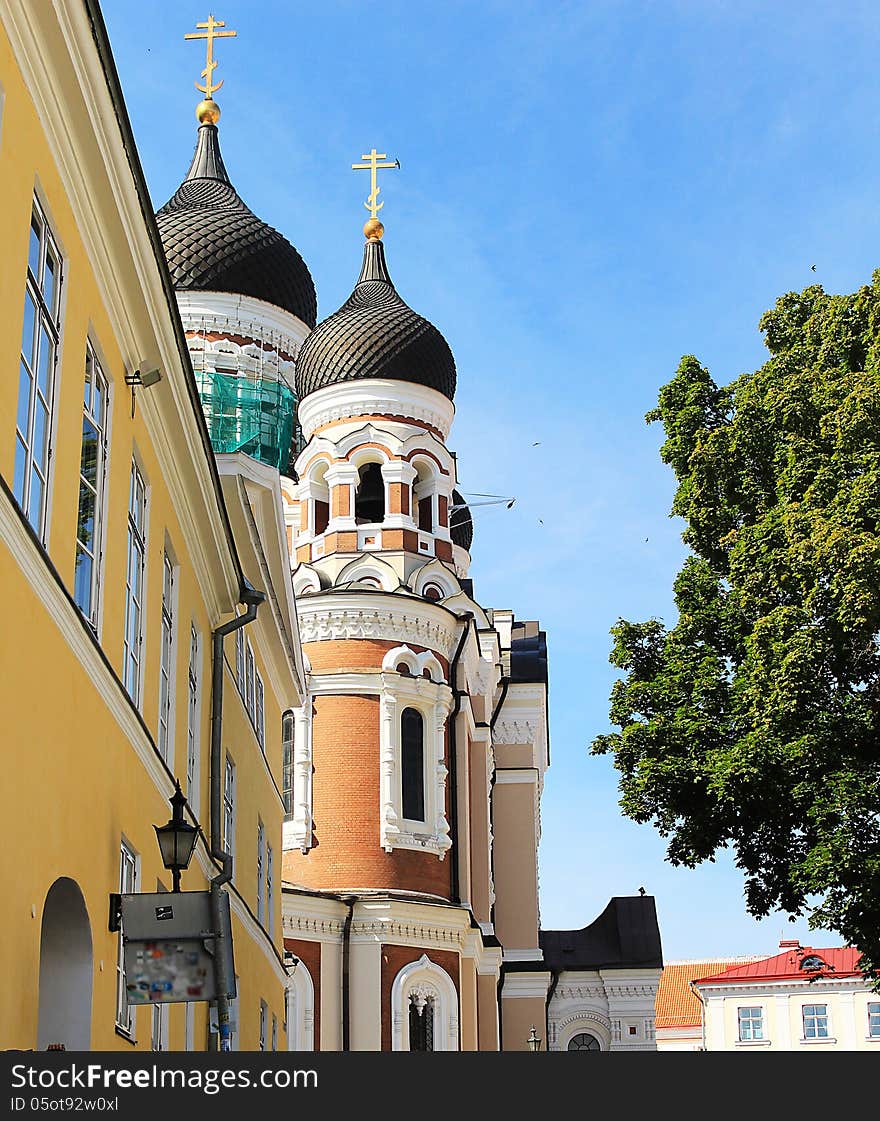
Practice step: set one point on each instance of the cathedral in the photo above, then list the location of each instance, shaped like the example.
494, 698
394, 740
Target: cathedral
413, 770
235, 551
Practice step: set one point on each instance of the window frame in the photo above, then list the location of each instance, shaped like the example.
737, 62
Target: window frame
165, 726
751, 1020
133, 639
873, 1011
816, 1017
98, 419
129, 878
288, 750
193, 722
229, 805
261, 873
46, 326
270, 890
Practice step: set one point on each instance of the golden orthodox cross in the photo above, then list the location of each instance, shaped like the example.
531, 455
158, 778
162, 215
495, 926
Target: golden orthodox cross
209, 33
373, 163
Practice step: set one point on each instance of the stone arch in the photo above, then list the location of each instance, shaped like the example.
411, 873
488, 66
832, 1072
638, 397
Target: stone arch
300, 1010
367, 567
583, 1020
65, 1001
426, 979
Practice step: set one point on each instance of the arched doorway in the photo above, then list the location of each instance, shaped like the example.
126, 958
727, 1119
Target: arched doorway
65, 1014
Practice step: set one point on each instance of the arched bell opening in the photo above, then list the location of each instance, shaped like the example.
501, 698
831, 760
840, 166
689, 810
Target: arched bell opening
369, 499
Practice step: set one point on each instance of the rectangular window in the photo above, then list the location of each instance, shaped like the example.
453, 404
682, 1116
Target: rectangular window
287, 737
261, 873
815, 1021
264, 1024
192, 723
274, 1032
751, 1023
229, 808
92, 467
165, 666
134, 585
259, 724
239, 660
159, 1032
127, 886
249, 682
36, 373
270, 892
874, 1020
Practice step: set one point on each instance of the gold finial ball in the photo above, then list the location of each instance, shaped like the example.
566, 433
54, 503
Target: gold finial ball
208, 112
373, 229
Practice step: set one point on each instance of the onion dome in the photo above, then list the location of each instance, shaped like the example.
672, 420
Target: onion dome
375, 335
461, 522
214, 242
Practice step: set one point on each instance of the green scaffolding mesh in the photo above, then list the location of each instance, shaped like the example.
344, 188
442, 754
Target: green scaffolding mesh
251, 413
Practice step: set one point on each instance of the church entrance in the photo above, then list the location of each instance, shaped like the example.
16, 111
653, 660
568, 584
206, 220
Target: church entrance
65, 1009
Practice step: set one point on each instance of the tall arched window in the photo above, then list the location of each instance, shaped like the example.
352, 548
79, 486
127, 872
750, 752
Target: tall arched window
412, 752
287, 739
369, 499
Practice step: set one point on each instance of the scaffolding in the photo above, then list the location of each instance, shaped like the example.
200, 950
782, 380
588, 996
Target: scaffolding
248, 405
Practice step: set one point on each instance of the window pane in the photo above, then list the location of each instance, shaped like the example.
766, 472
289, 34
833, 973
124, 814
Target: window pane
412, 765
34, 247
82, 581
89, 466
49, 281
98, 397
27, 331
35, 504
20, 471
44, 362
85, 530
41, 432
24, 400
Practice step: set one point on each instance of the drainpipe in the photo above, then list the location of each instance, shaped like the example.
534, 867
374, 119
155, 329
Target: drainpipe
350, 900
696, 992
554, 981
223, 983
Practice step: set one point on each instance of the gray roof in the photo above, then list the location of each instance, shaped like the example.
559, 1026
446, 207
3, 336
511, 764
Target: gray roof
213, 242
625, 935
375, 335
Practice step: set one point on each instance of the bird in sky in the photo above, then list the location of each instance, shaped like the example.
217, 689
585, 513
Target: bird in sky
536, 443
813, 267
641, 891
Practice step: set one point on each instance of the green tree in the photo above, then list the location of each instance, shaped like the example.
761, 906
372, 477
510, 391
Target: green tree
752, 723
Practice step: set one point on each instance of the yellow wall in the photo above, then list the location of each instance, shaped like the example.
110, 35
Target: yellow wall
79, 772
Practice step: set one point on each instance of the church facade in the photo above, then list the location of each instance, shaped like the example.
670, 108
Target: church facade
390, 801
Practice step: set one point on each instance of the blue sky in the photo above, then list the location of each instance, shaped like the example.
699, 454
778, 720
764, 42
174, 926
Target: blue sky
587, 192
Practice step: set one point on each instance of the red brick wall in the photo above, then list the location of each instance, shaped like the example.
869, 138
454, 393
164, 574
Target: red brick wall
394, 958
357, 653
310, 954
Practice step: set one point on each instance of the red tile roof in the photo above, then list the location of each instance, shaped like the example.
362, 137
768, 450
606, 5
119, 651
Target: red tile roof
675, 1005
841, 960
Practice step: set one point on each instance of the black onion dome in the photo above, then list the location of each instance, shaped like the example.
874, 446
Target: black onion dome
461, 522
213, 241
375, 335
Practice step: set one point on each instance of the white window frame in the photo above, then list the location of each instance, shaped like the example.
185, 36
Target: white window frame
165, 738
229, 805
40, 397
249, 670
749, 1022
129, 877
297, 830
432, 697
133, 639
193, 720
426, 980
239, 661
264, 1024
873, 1011
816, 1016
261, 873
259, 710
96, 412
159, 1028
270, 891
274, 1032
288, 747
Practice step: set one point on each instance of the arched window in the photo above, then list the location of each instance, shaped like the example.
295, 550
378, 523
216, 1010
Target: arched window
412, 741
583, 1041
287, 735
369, 499
421, 1021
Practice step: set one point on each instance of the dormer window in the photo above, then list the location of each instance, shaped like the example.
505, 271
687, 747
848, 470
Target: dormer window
369, 501
812, 964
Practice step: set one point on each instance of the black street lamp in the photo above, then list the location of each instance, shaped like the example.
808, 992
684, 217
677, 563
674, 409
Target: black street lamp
534, 1040
177, 839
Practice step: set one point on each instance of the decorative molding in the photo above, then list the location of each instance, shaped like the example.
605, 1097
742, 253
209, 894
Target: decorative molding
515, 732
375, 397
514, 776
319, 622
424, 980
234, 313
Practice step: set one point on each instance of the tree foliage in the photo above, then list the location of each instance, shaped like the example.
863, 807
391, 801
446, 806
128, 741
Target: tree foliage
752, 724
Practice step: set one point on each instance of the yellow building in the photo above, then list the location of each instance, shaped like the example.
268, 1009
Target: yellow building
123, 547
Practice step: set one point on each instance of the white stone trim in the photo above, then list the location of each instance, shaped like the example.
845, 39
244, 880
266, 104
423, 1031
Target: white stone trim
426, 979
515, 775
297, 833
524, 955
300, 1009
345, 616
228, 310
434, 701
417, 663
525, 986
375, 397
